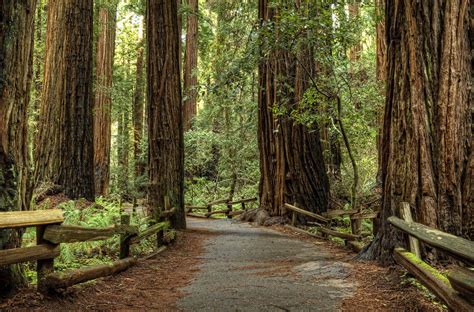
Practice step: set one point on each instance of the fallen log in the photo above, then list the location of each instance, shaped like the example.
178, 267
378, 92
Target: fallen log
432, 279
19, 255
148, 232
457, 246
462, 280
306, 213
19, 219
57, 234
74, 277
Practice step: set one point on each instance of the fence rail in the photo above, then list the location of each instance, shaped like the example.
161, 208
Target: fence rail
457, 289
228, 211
50, 233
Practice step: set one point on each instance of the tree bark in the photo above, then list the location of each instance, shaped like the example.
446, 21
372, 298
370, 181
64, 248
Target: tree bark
103, 98
190, 65
427, 140
165, 120
16, 48
64, 154
291, 160
138, 117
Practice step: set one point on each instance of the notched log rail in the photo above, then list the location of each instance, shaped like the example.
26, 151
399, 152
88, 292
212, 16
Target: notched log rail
457, 289
323, 222
50, 233
228, 211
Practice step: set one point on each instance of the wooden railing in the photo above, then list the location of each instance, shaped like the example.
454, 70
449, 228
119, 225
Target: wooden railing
228, 211
457, 289
50, 233
323, 222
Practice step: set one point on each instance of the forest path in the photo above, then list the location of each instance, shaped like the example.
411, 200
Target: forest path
247, 268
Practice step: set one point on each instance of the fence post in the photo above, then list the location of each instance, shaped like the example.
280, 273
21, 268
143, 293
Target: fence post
405, 214
229, 207
45, 266
243, 206
124, 238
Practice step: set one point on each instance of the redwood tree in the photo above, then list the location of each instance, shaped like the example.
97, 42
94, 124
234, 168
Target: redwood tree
165, 121
103, 97
427, 155
16, 43
64, 152
138, 116
291, 159
190, 65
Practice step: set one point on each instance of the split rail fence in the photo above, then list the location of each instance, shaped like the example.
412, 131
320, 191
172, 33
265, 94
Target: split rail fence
457, 289
51, 232
228, 211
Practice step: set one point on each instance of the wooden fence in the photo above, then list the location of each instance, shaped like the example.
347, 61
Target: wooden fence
51, 232
323, 224
457, 289
228, 211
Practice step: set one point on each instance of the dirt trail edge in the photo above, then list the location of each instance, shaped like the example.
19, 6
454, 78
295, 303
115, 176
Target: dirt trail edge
246, 268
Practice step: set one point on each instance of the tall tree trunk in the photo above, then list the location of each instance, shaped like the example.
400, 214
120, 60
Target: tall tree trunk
103, 98
427, 140
165, 121
64, 154
138, 102
190, 65
16, 48
381, 50
291, 160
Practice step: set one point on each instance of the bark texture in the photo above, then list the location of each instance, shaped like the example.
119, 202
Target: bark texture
16, 48
64, 154
291, 159
165, 121
427, 140
103, 98
138, 116
190, 65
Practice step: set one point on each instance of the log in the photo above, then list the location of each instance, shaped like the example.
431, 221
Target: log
432, 279
38, 252
148, 232
74, 277
364, 215
156, 253
347, 236
405, 213
338, 213
462, 280
457, 246
168, 213
72, 233
208, 214
242, 201
306, 213
298, 230
19, 219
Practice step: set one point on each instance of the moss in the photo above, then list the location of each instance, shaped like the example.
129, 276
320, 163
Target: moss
414, 259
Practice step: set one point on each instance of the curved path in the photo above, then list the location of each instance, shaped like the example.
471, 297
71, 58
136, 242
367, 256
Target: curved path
248, 268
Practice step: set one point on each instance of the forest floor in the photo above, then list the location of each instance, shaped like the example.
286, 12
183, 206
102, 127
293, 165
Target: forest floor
223, 265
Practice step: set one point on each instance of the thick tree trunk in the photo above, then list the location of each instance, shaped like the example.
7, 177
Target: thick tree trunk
103, 98
165, 121
291, 160
190, 65
427, 140
138, 102
64, 154
16, 48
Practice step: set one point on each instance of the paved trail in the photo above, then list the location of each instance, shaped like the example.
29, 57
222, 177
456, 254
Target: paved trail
248, 268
